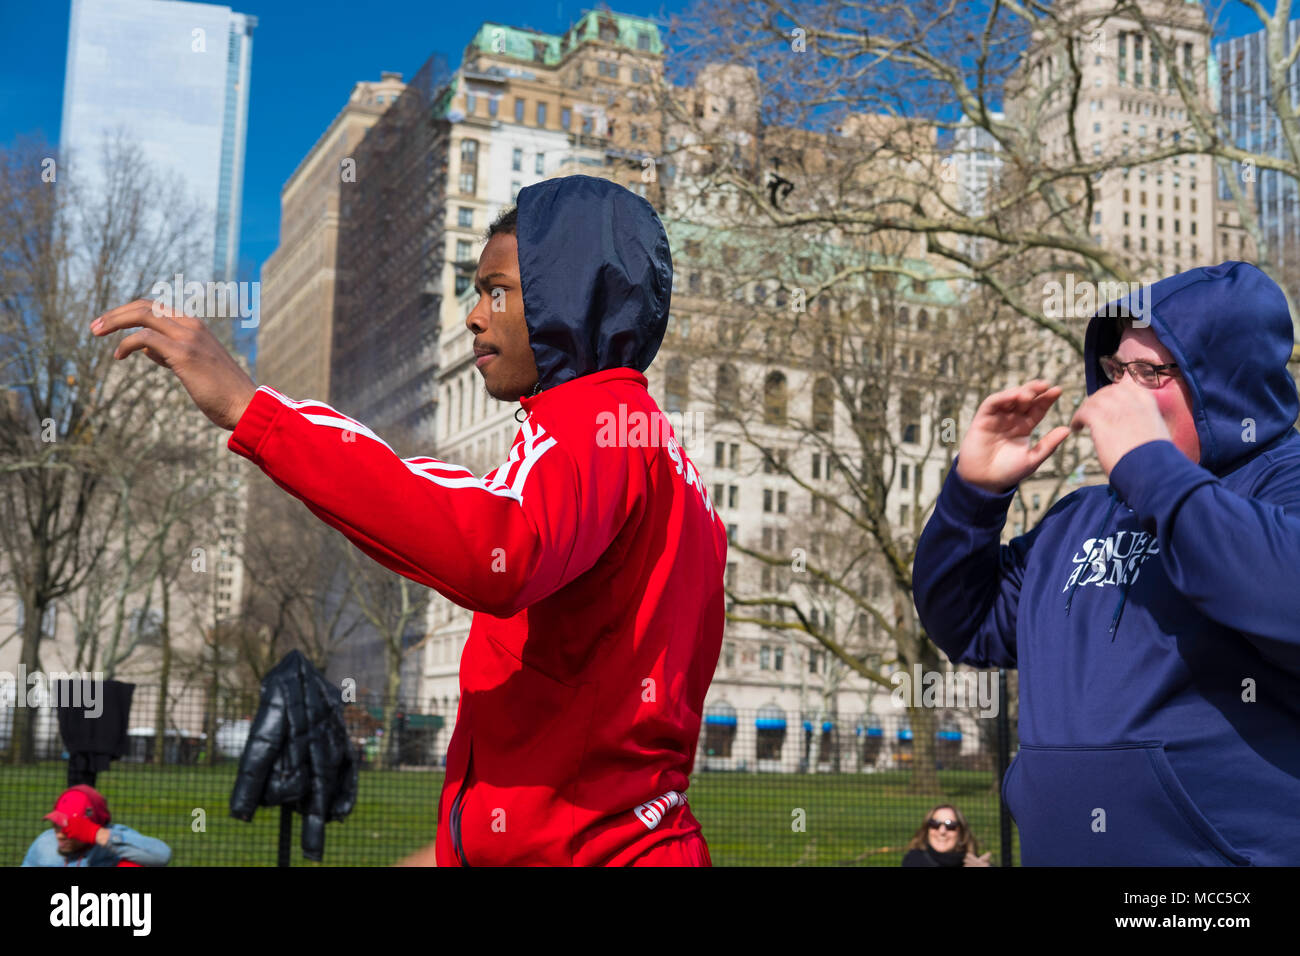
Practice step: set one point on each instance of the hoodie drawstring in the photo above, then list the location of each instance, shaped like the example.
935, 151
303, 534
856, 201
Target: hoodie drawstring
1123, 594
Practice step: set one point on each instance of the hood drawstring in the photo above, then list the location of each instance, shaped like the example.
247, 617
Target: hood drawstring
1123, 594
1119, 608
536, 388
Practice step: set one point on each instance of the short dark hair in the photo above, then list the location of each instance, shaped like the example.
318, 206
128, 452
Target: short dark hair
1120, 324
505, 223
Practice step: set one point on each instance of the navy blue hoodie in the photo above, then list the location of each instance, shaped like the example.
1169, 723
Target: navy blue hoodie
1155, 621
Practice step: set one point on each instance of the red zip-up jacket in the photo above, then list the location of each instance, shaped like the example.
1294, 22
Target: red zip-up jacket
593, 560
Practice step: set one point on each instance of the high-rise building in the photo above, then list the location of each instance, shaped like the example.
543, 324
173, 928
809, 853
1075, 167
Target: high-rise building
172, 78
297, 319
976, 160
390, 262
1158, 215
1246, 111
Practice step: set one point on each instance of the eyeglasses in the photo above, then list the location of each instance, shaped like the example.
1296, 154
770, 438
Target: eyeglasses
949, 825
1144, 373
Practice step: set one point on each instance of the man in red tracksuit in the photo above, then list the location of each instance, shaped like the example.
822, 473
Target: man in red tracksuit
592, 557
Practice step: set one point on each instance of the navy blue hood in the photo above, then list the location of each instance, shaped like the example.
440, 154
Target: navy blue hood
1229, 330
597, 277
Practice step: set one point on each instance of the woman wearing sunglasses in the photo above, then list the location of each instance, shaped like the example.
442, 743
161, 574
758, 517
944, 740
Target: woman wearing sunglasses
944, 839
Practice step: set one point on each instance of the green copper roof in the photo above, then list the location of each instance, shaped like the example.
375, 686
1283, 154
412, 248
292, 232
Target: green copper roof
549, 48
588, 28
521, 44
825, 258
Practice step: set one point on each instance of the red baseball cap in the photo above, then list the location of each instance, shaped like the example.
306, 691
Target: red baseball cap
81, 801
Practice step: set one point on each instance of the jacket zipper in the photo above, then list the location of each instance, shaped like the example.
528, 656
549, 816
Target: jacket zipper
455, 811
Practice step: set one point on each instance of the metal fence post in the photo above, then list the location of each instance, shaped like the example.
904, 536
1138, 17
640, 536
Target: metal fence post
1004, 757
286, 835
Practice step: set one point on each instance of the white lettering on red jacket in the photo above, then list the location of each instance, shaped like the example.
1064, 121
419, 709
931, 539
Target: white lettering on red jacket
652, 813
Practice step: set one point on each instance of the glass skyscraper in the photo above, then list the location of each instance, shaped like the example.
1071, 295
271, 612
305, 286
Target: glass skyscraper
1247, 113
173, 78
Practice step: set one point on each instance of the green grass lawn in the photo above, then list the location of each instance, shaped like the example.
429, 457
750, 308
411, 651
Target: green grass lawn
748, 819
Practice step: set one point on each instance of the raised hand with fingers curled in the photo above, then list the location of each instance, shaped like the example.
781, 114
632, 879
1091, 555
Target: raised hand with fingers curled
214, 380
997, 453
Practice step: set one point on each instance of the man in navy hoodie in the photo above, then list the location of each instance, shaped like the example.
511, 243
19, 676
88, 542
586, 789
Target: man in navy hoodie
1155, 620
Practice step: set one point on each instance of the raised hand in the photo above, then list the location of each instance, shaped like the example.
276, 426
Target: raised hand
1119, 418
996, 453
216, 383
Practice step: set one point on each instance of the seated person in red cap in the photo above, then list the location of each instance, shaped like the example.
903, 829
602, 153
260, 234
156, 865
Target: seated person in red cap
83, 836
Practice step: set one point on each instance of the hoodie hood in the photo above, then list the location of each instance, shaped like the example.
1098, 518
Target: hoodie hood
1229, 330
597, 277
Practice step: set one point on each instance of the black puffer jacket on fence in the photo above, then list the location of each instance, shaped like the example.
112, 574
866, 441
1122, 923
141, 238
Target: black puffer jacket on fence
298, 753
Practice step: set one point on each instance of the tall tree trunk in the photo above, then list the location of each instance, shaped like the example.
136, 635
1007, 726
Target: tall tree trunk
164, 675
214, 702
925, 778
388, 755
22, 742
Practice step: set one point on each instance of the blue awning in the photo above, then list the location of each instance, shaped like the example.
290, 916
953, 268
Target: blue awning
770, 723
906, 734
720, 720
871, 731
827, 726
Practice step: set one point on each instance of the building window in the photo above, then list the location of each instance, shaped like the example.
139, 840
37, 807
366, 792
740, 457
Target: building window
517, 160
735, 457
823, 405
494, 103
541, 115
778, 659
728, 391
719, 454
767, 499
774, 399
514, 191
463, 252
519, 109
782, 498
539, 167
910, 408
733, 496
643, 41
465, 217
677, 377
566, 118
468, 166
764, 658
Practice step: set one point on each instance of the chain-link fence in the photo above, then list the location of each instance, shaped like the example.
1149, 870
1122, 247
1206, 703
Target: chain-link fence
769, 788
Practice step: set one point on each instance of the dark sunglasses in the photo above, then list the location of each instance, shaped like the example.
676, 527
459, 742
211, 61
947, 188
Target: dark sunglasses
949, 825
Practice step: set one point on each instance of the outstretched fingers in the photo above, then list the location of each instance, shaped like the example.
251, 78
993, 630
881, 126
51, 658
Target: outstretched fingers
1045, 446
142, 313
157, 346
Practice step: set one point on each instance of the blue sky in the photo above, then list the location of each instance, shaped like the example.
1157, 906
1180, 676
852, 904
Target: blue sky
306, 56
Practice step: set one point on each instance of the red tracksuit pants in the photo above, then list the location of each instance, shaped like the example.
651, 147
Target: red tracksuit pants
689, 850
